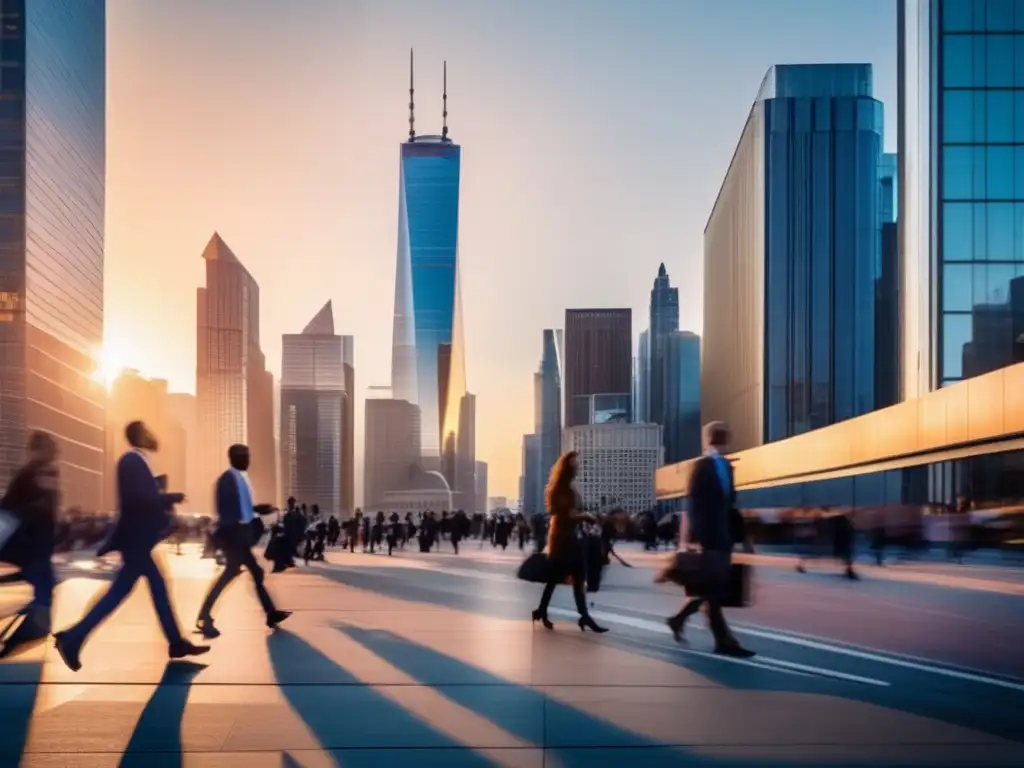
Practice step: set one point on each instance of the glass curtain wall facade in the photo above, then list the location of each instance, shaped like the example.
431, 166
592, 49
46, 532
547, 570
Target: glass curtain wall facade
961, 77
682, 428
887, 290
428, 356
792, 257
52, 195
979, 77
313, 400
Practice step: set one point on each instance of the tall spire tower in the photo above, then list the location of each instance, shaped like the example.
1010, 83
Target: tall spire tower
412, 101
444, 105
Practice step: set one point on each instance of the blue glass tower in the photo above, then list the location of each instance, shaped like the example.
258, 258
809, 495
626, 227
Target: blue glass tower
961, 77
682, 428
791, 255
428, 355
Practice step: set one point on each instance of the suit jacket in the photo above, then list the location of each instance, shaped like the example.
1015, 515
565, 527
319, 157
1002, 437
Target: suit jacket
144, 513
711, 508
228, 500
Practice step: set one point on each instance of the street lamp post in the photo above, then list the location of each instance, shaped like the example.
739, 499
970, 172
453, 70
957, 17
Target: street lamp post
447, 487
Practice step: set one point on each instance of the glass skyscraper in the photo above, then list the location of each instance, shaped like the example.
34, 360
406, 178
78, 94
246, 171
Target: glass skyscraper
52, 193
428, 356
791, 253
681, 430
313, 409
550, 427
664, 321
961, 77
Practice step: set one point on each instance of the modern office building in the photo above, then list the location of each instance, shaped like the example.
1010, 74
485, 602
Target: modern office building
234, 390
313, 406
132, 397
428, 355
664, 320
961, 187
182, 408
393, 453
617, 464
531, 492
598, 365
348, 428
549, 428
887, 290
790, 258
682, 428
480, 501
642, 378
52, 188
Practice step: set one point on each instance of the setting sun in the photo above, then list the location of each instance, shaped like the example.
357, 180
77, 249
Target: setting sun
110, 362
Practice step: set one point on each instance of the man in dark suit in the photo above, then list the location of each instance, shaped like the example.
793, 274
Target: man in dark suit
144, 518
712, 499
234, 535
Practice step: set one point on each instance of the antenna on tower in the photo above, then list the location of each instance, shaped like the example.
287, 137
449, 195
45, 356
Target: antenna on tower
444, 108
412, 102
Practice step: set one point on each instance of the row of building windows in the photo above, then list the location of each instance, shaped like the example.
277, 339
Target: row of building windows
983, 15
983, 232
983, 173
983, 116
986, 61
966, 285
978, 342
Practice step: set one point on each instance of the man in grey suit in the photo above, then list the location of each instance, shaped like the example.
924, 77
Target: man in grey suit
712, 501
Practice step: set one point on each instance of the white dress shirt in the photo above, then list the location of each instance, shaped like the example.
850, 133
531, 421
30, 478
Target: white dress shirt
244, 496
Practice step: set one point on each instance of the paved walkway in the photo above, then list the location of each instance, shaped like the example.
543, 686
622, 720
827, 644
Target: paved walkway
387, 663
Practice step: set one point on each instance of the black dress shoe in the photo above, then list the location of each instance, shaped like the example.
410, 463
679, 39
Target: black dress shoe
206, 628
183, 648
734, 651
676, 625
276, 617
68, 650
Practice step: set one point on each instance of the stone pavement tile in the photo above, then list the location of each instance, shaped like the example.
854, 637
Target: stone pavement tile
354, 758
576, 660
577, 717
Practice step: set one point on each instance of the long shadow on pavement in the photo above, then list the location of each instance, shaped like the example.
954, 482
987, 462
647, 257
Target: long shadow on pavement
350, 717
156, 739
998, 716
585, 741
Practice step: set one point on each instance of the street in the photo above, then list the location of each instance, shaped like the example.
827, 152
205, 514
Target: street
431, 660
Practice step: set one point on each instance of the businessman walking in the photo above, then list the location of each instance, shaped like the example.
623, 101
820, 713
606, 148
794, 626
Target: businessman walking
234, 535
144, 518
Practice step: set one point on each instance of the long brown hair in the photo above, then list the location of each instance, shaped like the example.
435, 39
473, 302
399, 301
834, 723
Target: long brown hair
562, 475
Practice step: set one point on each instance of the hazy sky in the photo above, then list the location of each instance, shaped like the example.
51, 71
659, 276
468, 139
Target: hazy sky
595, 136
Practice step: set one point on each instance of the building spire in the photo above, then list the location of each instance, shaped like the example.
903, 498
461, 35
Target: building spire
444, 106
412, 102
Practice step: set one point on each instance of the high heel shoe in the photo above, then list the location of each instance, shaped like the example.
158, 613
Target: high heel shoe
588, 623
543, 619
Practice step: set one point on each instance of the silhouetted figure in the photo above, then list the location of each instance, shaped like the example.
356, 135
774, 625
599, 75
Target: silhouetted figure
565, 557
236, 515
32, 499
712, 511
144, 518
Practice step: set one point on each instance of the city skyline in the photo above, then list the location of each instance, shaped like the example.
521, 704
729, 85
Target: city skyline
341, 228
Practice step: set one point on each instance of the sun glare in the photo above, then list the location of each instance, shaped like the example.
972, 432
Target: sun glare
109, 364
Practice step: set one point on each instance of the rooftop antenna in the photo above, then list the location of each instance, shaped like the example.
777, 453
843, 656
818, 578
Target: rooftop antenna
444, 109
412, 103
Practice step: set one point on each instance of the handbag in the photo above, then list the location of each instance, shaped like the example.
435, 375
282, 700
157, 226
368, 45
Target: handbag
683, 568
535, 569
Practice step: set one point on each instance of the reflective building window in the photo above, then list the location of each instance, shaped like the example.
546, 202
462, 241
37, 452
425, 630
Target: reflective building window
979, 64
52, 191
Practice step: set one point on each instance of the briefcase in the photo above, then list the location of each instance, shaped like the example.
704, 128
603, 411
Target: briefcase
738, 593
682, 569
